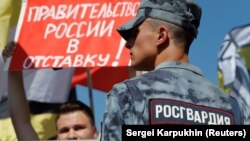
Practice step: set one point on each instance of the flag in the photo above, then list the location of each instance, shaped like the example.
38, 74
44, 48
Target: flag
234, 67
5, 14
102, 78
9, 13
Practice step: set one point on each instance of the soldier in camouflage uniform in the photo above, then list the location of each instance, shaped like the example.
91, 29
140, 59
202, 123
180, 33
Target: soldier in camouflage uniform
173, 91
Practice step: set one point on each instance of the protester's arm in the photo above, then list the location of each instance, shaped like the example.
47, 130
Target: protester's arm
18, 106
19, 109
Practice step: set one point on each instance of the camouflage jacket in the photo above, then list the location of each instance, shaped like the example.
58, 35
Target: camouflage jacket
173, 93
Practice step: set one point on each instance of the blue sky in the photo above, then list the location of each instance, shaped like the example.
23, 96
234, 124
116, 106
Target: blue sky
218, 18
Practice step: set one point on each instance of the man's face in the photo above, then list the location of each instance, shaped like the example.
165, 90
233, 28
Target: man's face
75, 126
142, 47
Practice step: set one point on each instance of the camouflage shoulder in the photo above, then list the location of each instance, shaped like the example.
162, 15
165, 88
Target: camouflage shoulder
118, 88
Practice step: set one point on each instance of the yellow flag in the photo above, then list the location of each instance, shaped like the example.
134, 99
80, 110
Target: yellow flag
9, 13
44, 125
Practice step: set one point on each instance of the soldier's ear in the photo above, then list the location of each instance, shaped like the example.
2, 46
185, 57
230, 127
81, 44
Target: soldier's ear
163, 35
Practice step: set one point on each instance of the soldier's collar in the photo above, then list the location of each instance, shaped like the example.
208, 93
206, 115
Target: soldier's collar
171, 64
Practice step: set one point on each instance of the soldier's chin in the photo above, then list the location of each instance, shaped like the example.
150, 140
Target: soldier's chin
140, 67
134, 65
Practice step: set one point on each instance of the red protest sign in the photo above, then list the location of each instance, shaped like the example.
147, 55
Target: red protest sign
66, 33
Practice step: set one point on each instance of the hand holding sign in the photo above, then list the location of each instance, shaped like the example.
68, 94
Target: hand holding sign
8, 50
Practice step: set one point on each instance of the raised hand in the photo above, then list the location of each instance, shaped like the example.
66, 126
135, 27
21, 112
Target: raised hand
8, 50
